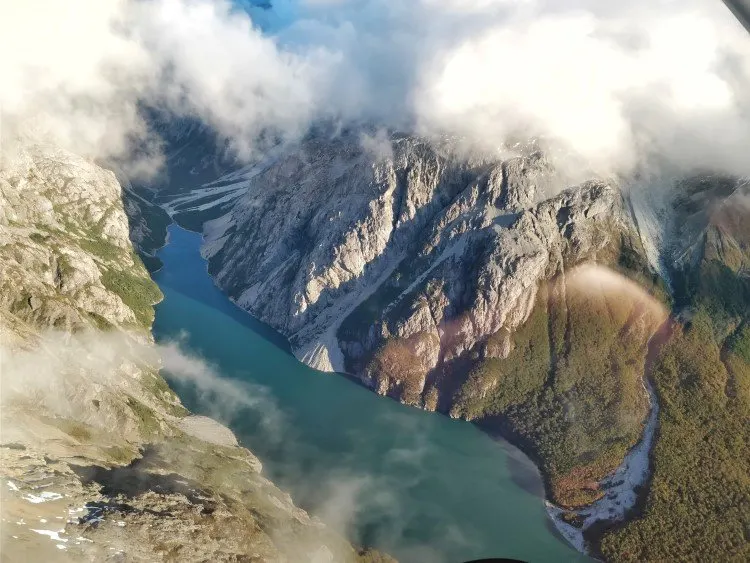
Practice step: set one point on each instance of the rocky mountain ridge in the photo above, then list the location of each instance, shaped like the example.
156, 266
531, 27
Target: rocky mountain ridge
330, 220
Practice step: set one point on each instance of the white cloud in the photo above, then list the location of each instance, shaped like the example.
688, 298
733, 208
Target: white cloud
610, 85
220, 397
74, 73
67, 77
60, 372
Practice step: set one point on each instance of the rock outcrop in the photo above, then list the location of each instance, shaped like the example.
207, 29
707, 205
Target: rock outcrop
323, 225
67, 258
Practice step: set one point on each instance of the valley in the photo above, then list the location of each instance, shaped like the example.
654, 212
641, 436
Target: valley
366, 281
605, 344
414, 485
400, 293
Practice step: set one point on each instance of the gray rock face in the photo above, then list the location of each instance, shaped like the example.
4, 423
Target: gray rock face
63, 239
480, 274
323, 224
343, 248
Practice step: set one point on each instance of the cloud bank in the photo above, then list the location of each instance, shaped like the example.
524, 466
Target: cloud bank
608, 86
220, 397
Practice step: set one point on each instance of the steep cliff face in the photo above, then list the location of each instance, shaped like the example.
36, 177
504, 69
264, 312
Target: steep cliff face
99, 458
448, 282
321, 226
147, 223
490, 290
478, 272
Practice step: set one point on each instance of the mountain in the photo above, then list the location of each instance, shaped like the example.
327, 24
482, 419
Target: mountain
492, 289
697, 506
99, 458
432, 277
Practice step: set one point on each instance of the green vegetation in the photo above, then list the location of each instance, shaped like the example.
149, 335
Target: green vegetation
102, 248
570, 391
22, 303
120, 454
494, 385
64, 266
398, 363
739, 343
152, 263
698, 503
723, 294
138, 292
96, 244
148, 423
155, 384
39, 238
74, 429
194, 220
156, 219
99, 322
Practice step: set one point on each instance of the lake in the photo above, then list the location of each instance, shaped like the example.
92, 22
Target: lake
415, 484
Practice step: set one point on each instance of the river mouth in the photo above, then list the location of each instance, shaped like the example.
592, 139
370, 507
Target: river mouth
418, 486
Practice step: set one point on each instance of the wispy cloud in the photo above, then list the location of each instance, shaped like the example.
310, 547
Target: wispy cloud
218, 396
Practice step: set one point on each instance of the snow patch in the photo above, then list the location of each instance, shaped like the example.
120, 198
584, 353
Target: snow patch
54, 535
45, 496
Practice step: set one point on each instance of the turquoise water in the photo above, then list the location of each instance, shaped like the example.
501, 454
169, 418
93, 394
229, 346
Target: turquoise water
417, 485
